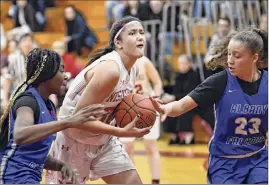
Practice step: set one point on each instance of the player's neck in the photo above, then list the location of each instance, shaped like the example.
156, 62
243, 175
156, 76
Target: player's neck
127, 61
43, 92
251, 76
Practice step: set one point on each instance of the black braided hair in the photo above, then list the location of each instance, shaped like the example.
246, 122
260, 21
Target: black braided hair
40, 66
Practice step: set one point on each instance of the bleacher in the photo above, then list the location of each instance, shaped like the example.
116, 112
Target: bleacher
94, 12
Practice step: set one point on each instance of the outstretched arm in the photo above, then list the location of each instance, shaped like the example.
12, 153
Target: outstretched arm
175, 108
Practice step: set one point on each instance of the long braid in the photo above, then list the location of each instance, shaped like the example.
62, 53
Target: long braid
5, 131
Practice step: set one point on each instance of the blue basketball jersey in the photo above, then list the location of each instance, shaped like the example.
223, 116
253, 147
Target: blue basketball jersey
241, 119
24, 164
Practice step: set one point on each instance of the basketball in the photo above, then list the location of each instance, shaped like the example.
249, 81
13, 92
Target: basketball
133, 105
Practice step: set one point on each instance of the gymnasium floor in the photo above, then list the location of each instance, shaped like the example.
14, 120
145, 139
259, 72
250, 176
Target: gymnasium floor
180, 164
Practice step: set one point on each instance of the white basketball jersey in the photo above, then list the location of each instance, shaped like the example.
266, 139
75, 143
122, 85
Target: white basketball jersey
124, 87
142, 80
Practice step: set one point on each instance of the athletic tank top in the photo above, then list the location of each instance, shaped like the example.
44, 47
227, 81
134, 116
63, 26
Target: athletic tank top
241, 119
123, 88
25, 163
142, 82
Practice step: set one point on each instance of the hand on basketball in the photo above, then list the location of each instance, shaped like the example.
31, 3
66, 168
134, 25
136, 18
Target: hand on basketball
68, 174
89, 113
157, 104
130, 129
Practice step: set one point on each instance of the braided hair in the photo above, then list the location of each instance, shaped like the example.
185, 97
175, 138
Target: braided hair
113, 32
40, 66
255, 39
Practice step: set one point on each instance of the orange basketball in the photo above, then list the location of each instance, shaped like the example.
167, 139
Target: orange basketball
133, 105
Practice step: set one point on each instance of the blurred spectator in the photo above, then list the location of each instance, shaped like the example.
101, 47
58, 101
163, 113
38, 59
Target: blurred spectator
264, 22
78, 33
3, 56
137, 9
12, 46
15, 71
25, 15
3, 62
223, 29
70, 63
186, 80
40, 10
170, 35
114, 10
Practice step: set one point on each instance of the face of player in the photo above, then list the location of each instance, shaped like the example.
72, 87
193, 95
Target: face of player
132, 40
57, 84
240, 59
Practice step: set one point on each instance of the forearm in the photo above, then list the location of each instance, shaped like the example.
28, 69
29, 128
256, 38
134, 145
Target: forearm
158, 89
180, 107
53, 164
100, 127
35, 133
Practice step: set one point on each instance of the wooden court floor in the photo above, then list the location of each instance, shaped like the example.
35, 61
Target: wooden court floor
180, 164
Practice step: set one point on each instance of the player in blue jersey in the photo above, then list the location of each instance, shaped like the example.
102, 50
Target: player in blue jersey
240, 93
29, 123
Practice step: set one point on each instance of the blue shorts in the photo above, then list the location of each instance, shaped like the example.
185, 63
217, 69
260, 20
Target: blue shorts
250, 170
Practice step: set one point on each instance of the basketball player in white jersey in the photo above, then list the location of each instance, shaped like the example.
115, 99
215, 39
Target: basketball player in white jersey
148, 75
110, 75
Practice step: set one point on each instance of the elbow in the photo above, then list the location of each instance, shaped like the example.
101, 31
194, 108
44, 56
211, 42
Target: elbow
19, 138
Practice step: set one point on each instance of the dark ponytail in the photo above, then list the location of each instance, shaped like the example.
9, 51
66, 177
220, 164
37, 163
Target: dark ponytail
263, 60
98, 53
111, 46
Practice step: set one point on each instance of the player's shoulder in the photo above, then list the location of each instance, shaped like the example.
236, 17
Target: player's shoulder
221, 75
143, 60
108, 68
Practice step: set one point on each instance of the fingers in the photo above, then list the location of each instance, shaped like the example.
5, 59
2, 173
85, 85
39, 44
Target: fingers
73, 177
64, 175
145, 130
137, 118
157, 99
154, 103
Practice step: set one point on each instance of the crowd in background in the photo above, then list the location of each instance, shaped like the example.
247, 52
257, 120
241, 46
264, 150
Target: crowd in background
29, 16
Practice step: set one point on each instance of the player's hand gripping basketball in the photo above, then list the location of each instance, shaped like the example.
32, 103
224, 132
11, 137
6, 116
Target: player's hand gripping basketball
89, 113
130, 129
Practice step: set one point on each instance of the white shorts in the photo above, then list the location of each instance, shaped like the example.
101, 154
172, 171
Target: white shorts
153, 135
92, 162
